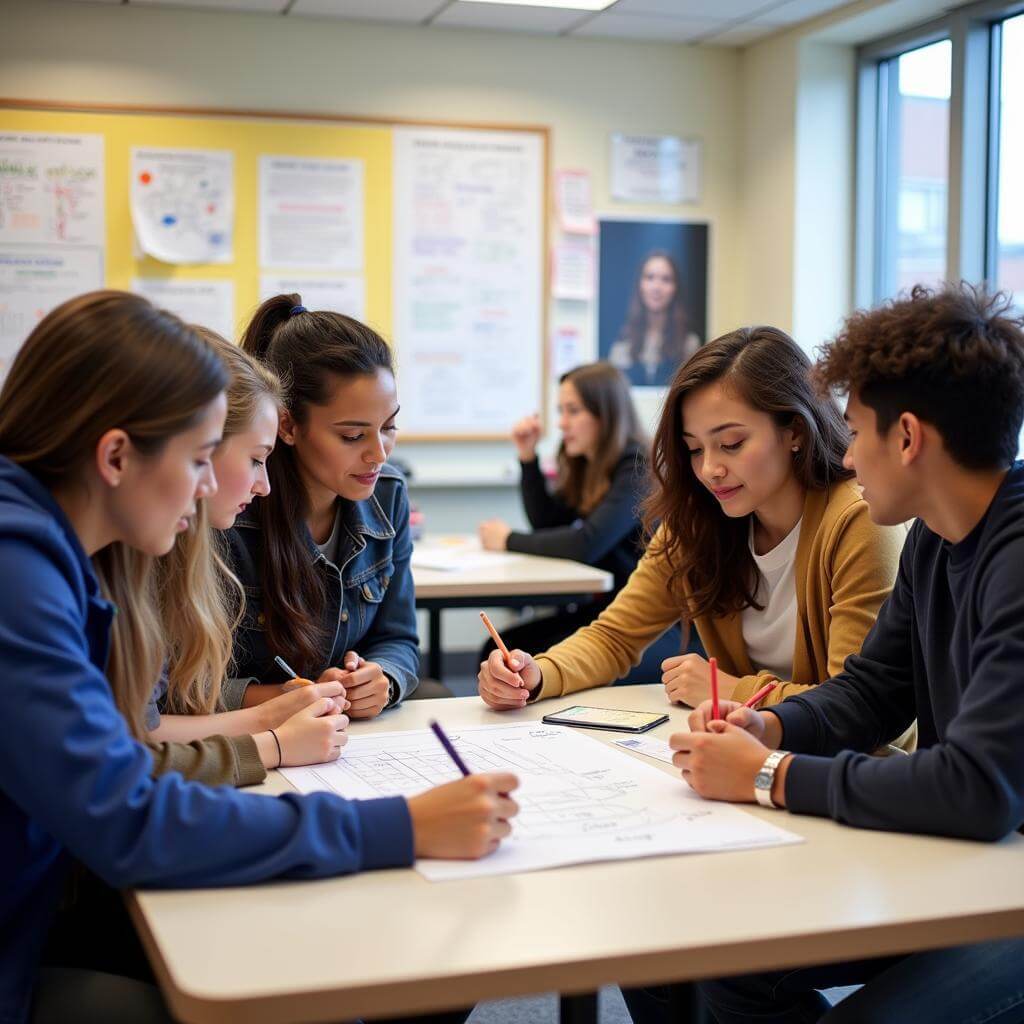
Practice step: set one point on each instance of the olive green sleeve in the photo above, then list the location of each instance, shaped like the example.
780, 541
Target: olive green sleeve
215, 761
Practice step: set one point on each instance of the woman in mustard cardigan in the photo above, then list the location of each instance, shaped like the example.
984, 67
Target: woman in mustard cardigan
761, 539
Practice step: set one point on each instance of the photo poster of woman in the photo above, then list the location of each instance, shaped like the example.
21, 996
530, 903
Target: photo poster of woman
652, 296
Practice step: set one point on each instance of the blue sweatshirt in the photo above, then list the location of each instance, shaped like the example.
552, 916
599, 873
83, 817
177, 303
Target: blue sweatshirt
74, 781
948, 648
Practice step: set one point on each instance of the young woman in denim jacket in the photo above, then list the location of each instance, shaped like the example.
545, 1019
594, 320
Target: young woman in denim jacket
324, 558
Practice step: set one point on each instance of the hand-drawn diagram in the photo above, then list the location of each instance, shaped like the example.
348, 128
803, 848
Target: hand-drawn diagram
183, 204
51, 189
579, 799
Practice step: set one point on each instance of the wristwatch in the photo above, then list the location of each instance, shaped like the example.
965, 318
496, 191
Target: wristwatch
393, 692
766, 776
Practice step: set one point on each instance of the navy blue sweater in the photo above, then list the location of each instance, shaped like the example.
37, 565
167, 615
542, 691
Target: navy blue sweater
74, 781
608, 537
948, 648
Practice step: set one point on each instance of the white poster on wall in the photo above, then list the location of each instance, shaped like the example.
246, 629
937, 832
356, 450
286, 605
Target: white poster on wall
338, 294
572, 269
51, 189
33, 280
207, 303
311, 213
183, 204
468, 278
655, 169
573, 200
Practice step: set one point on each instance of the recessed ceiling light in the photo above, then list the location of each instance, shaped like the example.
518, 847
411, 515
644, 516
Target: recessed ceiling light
570, 5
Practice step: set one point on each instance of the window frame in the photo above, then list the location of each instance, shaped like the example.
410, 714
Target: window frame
972, 180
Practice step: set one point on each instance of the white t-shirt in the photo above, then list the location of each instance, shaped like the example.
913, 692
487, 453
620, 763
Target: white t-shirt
771, 634
329, 548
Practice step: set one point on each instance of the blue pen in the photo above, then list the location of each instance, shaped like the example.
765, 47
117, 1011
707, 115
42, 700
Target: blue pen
447, 744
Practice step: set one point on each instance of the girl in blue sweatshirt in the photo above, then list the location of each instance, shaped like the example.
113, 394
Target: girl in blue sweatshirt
108, 419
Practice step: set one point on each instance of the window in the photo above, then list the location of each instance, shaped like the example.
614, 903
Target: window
940, 155
913, 93
1006, 228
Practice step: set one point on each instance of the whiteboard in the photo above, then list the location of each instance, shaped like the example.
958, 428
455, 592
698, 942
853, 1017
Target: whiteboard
468, 279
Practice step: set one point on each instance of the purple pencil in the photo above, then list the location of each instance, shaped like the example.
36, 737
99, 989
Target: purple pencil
447, 744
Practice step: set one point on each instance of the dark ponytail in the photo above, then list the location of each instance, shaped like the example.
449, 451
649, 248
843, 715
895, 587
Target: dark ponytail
309, 351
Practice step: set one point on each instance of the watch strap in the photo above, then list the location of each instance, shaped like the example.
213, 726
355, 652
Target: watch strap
766, 776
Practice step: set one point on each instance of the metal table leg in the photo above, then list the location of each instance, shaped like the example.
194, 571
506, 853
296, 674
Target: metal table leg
578, 1009
434, 641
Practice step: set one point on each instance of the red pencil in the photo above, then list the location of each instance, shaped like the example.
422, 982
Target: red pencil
760, 695
713, 662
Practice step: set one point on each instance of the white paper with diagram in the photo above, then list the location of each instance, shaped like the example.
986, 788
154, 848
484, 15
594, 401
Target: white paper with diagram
579, 799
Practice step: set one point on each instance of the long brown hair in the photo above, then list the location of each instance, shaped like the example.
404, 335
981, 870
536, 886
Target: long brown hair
604, 392
101, 361
309, 351
676, 330
712, 568
200, 599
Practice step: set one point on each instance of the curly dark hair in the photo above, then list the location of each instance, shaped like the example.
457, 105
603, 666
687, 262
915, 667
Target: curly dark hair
954, 357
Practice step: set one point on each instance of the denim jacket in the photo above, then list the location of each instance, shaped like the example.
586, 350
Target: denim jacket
370, 605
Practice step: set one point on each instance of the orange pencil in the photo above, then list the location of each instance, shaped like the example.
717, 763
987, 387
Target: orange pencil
713, 662
296, 679
499, 643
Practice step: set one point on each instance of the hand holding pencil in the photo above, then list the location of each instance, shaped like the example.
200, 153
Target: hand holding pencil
506, 677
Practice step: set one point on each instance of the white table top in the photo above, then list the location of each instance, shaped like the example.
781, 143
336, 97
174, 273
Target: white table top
523, 576
392, 942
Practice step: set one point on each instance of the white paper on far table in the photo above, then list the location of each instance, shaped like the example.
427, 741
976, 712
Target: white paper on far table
580, 800
457, 554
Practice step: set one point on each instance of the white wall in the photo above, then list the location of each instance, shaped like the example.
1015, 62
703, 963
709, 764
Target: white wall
797, 185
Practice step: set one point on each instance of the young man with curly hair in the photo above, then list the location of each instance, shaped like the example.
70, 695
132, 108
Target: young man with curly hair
935, 386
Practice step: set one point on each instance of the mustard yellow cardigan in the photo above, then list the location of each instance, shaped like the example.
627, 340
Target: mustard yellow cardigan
845, 568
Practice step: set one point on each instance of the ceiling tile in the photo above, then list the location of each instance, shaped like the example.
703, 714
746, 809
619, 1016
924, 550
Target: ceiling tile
612, 25
793, 11
724, 10
511, 17
264, 6
411, 11
740, 35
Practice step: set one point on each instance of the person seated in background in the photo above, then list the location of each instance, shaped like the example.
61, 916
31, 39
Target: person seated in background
592, 515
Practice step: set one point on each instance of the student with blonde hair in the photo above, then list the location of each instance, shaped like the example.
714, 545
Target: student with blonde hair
199, 602
108, 419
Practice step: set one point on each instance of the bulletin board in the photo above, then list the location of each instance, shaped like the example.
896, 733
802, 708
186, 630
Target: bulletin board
463, 300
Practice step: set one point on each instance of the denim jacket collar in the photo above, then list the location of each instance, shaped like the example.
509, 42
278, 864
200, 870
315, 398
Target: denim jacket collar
359, 519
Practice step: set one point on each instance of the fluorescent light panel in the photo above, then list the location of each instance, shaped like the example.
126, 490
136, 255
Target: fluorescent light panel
567, 5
